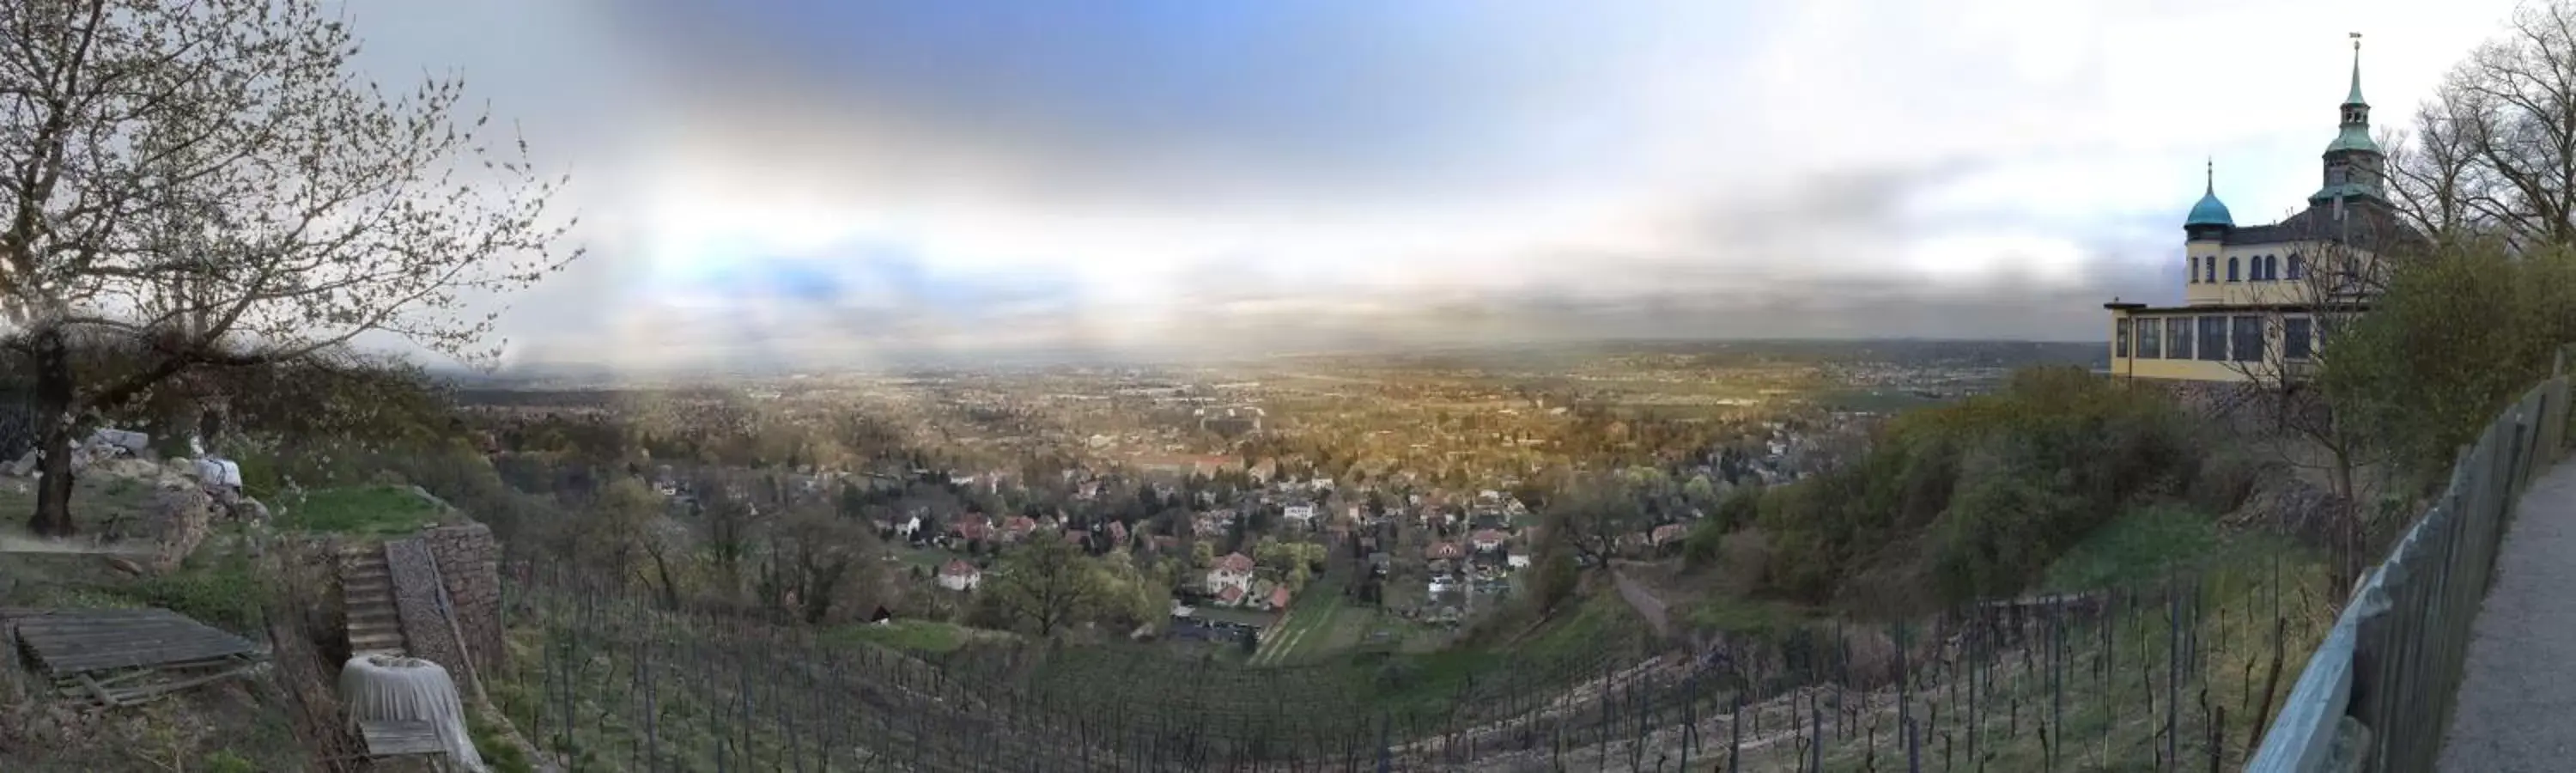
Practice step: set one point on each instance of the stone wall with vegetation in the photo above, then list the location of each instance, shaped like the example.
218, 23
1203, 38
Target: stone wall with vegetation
425, 629
468, 560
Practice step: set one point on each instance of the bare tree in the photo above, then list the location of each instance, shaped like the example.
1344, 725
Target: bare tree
1590, 517
1045, 583
2312, 420
208, 182
2494, 150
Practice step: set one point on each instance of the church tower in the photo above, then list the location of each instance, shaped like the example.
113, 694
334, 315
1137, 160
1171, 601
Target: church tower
2353, 163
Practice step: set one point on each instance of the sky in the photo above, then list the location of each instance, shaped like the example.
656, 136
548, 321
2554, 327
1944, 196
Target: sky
844, 182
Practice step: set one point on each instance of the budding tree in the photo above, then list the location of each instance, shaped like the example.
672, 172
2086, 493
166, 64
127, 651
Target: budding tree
208, 183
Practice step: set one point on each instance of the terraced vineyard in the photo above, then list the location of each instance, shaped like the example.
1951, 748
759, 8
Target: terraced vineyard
2171, 674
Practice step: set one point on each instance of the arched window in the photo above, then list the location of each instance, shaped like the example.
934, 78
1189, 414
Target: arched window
2190, 270
2271, 267
2209, 270
2298, 266
2232, 274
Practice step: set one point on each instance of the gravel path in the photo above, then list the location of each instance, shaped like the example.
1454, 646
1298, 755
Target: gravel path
2517, 702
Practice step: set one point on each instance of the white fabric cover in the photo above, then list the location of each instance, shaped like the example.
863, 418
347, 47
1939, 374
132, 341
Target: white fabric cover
384, 687
220, 472
131, 441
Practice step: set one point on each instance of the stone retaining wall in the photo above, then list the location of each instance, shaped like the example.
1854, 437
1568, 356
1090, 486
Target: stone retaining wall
468, 559
425, 630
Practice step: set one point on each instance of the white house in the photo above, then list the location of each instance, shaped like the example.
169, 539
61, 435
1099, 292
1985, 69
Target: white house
960, 576
1302, 515
907, 526
1233, 571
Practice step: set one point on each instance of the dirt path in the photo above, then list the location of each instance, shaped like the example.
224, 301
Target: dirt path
1645, 602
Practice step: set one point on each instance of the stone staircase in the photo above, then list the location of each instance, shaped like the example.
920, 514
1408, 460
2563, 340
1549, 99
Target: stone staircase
367, 593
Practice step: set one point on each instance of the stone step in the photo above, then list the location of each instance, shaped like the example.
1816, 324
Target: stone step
367, 586
373, 613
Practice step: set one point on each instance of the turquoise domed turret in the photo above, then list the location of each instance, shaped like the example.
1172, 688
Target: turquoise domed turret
2210, 211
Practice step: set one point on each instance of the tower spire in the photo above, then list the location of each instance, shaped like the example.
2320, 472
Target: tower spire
2354, 98
2209, 180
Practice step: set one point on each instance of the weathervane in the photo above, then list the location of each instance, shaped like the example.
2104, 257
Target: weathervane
2356, 41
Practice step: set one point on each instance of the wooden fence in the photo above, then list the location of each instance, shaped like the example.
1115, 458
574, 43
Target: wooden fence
2377, 694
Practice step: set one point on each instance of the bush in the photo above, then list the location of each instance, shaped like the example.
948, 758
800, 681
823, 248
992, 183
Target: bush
227, 761
1999, 484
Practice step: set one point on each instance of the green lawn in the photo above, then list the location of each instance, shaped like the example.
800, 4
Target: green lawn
1309, 622
361, 510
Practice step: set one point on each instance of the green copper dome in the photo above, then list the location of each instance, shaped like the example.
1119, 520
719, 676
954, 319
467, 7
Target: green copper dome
2210, 211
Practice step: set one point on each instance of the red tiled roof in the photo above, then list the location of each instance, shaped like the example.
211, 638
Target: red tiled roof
1279, 596
1237, 563
1231, 594
957, 567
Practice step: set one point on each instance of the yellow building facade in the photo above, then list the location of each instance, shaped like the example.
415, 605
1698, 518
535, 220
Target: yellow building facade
2257, 300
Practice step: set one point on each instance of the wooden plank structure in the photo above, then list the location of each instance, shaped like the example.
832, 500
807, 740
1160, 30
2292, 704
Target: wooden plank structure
124, 656
390, 737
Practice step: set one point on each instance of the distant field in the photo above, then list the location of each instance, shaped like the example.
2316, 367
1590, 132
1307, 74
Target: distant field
1875, 400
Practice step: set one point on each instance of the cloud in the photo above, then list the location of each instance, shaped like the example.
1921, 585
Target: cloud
842, 182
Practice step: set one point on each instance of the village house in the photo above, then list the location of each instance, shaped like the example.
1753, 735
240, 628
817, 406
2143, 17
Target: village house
1303, 515
960, 576
1487, 541
1018, 527
971, 527
1231, 574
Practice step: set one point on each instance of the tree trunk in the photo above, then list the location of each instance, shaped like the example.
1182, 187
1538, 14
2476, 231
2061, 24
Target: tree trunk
53, 516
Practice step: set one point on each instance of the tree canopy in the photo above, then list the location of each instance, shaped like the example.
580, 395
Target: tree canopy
208, 183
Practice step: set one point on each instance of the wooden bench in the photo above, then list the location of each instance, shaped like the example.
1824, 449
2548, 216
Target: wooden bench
396, 738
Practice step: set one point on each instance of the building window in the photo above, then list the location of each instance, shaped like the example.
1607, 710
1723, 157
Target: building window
2298, 266
2232, 274
2296, 333
2147, 338
2209, 270
2213, 339
2190, 270
2271, 267
2178, 338
2247, 339
2120, 338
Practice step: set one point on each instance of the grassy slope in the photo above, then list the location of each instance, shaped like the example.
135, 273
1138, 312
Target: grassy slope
359, 510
